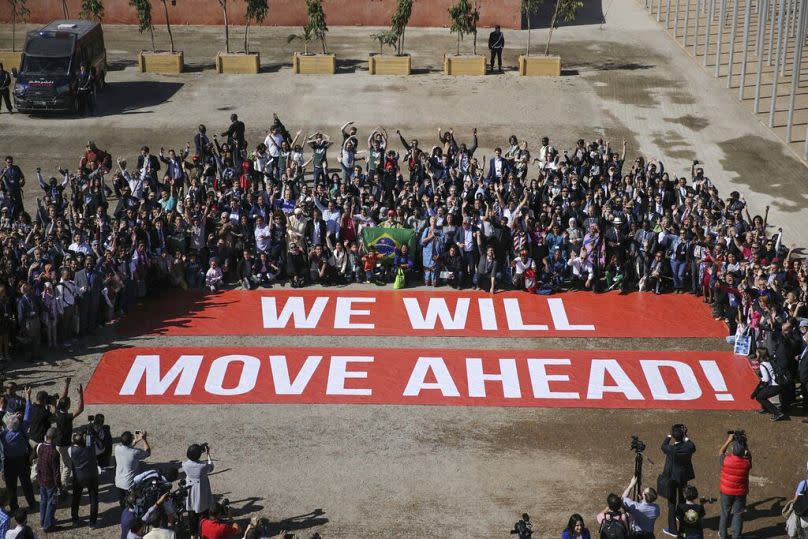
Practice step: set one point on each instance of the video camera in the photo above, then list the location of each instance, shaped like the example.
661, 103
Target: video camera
523, 528
637, 445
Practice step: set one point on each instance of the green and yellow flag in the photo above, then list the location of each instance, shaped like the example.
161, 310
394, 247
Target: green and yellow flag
386, 240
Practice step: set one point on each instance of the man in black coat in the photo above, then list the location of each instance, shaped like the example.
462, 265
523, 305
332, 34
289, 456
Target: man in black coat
496, 42
784, 346
803, 366
235, 133
678, 449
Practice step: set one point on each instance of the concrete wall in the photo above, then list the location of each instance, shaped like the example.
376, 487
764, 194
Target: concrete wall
281, 12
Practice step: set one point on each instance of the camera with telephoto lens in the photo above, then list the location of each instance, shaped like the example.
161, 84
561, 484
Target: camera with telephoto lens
637, 445
523, 528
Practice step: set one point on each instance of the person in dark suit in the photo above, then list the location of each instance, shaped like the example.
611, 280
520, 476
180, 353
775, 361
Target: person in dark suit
151, 163
496, 42
678, 470
5, 88
316, 232
235, 133
90, 283
498, 166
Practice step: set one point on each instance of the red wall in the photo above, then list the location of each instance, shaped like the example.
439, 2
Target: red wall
282, 12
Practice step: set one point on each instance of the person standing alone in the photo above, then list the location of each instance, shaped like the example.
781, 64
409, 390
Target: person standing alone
678, 449
734, 486
496, 42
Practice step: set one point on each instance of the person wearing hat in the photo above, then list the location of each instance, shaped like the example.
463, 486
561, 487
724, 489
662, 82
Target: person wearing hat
734, 484
391, 221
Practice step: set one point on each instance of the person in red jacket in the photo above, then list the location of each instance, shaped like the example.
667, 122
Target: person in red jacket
734, 487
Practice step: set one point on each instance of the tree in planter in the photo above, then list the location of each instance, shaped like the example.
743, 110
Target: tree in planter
91, 9
168, 23
223, 3
530, 8
18, 11
464, 16
144, 20
317, 24
388, 37
305, 36
256, 11
399, 22
565, 11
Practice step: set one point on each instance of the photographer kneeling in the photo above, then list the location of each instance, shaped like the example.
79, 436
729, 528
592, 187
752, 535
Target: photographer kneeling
734, 486
200, 496
219, 525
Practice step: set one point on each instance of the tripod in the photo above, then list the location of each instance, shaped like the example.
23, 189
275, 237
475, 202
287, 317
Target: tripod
637, 492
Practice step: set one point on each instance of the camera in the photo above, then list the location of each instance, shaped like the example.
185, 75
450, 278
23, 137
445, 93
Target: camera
637, 445
523, 528
90, 419
738, 436
205, 448
51, 400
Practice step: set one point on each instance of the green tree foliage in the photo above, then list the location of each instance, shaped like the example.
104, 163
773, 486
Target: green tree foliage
530, 8
91, 9
464, 16
564, 11
399, 21
19, 12
316, 25
388, 37
144, 18
257, 11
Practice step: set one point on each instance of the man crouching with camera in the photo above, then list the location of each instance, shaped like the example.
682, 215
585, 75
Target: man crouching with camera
219, 525
734, 486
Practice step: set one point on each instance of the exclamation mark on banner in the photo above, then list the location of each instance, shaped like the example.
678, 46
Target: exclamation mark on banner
716, 379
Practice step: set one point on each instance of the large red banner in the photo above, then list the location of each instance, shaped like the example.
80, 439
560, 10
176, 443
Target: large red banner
539, 378
425, 313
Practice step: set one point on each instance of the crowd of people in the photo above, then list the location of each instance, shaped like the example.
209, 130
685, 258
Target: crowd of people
291, 210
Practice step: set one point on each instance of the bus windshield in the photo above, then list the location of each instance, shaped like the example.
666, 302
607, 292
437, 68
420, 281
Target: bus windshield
46, 65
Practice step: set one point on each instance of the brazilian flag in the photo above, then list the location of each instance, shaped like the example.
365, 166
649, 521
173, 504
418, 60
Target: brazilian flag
386, 240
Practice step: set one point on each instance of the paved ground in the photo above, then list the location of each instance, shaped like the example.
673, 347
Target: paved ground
380, 471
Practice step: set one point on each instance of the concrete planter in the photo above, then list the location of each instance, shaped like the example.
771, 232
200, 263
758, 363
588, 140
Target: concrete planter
161, 62
384, 64
10, 60
464, 65
540, 66
238, 63
314, 64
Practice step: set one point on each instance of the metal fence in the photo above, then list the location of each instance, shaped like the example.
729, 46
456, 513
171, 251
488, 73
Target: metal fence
757, 45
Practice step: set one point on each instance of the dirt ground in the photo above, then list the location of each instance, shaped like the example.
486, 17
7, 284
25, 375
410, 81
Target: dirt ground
382, 471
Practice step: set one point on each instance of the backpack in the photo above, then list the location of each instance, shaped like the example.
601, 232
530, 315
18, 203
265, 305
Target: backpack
782, 377
612, 527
